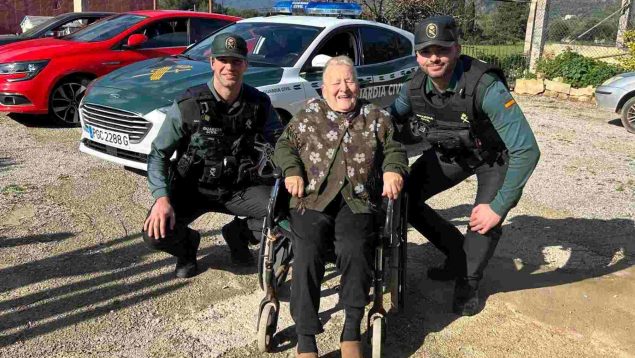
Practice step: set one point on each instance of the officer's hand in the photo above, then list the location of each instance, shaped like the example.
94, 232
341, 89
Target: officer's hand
294, 185
483, 218
393, 183
161, 215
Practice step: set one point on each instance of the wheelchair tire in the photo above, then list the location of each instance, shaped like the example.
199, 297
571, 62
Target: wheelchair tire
378, 337
267, 325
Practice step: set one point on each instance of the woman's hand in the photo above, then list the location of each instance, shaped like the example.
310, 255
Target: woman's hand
294, 185
393, 183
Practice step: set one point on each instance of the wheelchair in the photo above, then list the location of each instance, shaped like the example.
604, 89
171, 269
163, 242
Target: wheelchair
389, 268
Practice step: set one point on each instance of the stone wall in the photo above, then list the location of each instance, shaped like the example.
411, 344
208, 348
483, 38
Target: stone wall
556, 88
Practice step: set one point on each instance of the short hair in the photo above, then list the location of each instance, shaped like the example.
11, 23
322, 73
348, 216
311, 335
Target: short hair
341, 60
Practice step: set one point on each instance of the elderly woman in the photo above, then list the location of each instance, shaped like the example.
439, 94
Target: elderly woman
334, 154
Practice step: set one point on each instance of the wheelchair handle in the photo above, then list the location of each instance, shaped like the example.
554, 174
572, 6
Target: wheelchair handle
277, 173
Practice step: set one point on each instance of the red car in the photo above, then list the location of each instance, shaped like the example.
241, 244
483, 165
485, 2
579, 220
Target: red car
50, 75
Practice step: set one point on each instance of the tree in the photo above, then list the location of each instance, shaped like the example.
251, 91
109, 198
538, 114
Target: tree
507, 24
558, 30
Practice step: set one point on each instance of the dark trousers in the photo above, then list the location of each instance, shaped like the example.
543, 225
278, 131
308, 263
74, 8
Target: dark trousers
432, 174
314, 233
190, 204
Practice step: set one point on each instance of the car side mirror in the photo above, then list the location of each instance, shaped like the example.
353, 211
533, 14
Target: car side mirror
136, 40
49, 34
320, 61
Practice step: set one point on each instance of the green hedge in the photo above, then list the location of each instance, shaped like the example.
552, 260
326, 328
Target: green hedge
577, 70
514, 66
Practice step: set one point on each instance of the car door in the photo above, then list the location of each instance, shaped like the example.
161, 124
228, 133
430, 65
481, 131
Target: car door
200, 27
166, 37
343, 41
387, 63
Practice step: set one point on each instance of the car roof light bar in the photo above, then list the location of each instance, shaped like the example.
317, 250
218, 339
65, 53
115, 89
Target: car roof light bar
320, 8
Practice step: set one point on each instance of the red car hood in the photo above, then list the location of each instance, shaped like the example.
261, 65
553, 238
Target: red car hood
42, 49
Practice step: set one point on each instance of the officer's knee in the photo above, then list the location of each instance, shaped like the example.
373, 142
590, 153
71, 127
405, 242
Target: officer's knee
152, 243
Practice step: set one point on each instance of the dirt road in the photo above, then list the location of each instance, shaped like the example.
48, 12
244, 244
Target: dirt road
77, 281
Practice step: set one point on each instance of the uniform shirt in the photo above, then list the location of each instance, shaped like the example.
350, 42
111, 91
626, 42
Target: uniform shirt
507, 118
172, 132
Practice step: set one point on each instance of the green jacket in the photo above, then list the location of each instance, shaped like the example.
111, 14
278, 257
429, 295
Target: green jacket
343, 153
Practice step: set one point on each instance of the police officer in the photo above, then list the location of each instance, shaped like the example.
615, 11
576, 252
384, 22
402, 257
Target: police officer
216, 130
471, 124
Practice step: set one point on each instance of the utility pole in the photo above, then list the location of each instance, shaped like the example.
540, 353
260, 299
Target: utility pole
80, 5
210, 6
536, 31
628, 7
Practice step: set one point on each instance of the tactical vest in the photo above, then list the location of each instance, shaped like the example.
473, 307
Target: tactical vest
221, 147
458, 126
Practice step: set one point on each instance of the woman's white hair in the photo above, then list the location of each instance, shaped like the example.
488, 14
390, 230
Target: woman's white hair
341, 60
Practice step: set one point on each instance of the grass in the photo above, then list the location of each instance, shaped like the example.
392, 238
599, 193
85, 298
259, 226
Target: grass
13, 189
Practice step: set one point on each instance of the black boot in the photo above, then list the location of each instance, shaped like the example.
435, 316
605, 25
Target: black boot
186, 266
237, 235
446, 272
466, 301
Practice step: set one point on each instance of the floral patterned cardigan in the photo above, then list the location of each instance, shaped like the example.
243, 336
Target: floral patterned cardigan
340, 153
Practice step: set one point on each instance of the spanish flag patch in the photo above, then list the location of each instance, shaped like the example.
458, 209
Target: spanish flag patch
510, 103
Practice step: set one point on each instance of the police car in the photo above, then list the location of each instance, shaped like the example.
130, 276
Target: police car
121, 113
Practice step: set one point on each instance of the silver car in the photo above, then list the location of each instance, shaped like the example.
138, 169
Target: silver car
617, 94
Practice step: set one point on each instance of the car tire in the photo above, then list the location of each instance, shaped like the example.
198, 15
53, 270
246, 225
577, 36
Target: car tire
65, 98
628, 115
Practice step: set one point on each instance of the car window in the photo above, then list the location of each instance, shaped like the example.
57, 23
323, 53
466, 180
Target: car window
200, 27
267, 43
381, 45
338, 45
71, 27
165, 33
106, 29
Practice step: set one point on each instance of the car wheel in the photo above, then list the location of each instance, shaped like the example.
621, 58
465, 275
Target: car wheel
64, 101
628, 115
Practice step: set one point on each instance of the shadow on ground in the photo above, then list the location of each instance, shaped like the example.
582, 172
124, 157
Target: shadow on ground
36, 120
118, 279
588, 248
616, 122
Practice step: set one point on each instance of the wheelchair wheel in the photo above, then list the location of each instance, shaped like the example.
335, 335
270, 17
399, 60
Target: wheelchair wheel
378, 337
267, 324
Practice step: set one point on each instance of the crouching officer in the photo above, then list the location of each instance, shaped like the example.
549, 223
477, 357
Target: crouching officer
222, 132
471, 124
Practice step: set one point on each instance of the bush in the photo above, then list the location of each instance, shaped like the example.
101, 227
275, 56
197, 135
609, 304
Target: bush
628, 62
577, 70
514, 65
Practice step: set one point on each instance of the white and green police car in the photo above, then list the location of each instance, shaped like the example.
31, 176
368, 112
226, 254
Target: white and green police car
121, 113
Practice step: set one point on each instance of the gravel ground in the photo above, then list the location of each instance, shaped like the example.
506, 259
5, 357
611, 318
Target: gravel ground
77, 280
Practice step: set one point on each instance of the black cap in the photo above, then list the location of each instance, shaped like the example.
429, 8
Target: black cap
437, 30
229, 45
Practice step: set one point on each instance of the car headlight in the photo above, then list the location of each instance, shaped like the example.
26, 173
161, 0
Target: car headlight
29, 69
611, 80
165, 109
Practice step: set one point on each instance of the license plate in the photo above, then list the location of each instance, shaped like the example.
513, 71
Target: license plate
111, 138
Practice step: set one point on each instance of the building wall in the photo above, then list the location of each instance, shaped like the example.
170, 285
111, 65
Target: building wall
13, 11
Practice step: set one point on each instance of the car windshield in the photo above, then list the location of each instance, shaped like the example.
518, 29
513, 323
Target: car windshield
268, 44
105, 29
37, 28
